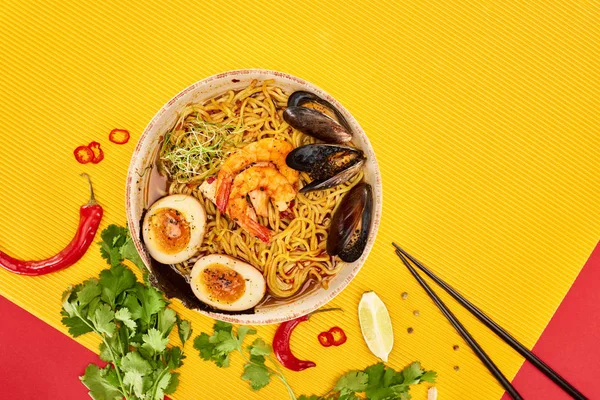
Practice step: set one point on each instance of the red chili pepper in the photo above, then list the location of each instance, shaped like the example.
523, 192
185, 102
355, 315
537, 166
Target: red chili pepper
338, 335
83, 154
98, 152
325, 338
281, 343
210, 179
90, 215
119, 136
288, 214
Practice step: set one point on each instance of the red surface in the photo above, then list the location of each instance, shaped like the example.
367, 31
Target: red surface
39, 362
569, 343
36, 360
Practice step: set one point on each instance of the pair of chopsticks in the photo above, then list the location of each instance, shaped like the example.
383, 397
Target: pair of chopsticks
487, 321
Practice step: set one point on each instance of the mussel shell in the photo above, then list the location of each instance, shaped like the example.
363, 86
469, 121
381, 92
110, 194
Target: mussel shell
301, 98
316, 124
344, 176
328, 165
351, 224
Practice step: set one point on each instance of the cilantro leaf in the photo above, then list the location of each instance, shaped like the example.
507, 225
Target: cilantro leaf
184, 329
173, 383
202, 343
226, 342
388, 377
103, 320
375, 373
76, 325
155, 340
100, 388
429, 376
115, 281
88, 292
105, 353
135, 381
134, 362
355, 381
243, 331
129, 252
412, 373
113, 237
151, 302
133, 305
174, 355
166, 321
258, 375
259, 348
222, 326
162, 384
124, 315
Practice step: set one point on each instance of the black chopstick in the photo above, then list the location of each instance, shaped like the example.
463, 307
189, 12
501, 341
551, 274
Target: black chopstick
498, 330
485, 359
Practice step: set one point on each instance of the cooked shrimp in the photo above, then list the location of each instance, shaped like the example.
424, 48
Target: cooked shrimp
265, 150
267, 180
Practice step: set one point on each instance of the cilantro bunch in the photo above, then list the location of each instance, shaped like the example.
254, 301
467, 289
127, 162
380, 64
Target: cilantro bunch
377, 382
218, 347
134, 324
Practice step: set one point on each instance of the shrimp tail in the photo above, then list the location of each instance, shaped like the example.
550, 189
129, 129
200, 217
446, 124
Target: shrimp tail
223, 192
262, 232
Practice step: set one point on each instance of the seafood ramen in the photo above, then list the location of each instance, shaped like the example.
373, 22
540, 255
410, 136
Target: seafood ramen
256, 196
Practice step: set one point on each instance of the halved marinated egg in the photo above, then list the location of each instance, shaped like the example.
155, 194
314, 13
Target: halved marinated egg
227, 283
173, 228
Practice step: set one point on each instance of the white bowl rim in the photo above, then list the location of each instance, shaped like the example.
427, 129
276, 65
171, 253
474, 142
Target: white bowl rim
257, 318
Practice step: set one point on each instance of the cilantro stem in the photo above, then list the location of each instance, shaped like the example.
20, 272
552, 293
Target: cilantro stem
123, 390
279, 374
155, 383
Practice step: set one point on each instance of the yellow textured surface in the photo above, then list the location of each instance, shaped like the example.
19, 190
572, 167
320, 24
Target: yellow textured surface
484, 116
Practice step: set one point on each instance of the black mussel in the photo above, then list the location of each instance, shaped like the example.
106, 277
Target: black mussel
327, 164
311, 100
351, 224
316, 124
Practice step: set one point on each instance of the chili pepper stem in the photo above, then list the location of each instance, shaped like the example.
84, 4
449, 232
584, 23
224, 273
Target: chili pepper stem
324, 310
92, 200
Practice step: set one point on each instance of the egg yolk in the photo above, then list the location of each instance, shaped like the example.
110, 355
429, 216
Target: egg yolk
170, 230
224, 284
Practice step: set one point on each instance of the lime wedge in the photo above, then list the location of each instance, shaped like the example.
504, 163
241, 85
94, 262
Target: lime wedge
376, 325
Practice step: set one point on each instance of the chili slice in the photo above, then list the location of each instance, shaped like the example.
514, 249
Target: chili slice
98, 152
90, 215
326, 339
338, 335
119, 136
83, 154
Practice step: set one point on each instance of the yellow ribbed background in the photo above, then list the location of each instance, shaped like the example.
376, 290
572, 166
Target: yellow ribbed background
484, 116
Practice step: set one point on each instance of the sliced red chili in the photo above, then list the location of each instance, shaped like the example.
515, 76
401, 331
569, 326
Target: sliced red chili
210, 179
119, 136
288, 214
98, 152
339, 336
325, 338
83, 154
